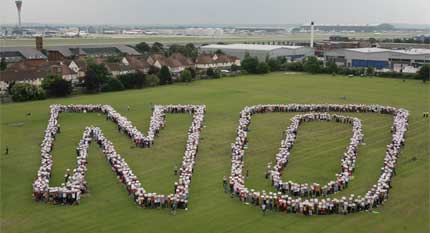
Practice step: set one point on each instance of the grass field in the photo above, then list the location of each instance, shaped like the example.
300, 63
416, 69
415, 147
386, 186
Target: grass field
131, 40
315, 157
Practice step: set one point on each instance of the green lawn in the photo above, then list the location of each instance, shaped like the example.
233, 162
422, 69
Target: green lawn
315, 157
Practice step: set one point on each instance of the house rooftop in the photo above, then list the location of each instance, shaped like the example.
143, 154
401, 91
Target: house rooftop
103, 50
27, 53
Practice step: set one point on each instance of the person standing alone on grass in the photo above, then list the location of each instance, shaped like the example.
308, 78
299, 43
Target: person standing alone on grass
7, 150
224, 183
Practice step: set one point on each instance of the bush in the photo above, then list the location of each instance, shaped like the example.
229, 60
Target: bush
331, 68
274, 64
55, 86
424, 73
25, 92
210, 72
235, 68
186, 76
132, 81
213, 73
263, 68
294, 66
396, 75
312, 65
217, 74
113, 85
152, 80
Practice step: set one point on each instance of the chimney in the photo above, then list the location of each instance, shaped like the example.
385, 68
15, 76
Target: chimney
39, 43
312, 34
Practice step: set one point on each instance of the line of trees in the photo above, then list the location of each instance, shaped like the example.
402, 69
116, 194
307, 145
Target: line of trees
314, 66
189, 50
98, 79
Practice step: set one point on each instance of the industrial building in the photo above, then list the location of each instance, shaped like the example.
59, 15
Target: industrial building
260, 51
11, 55
349, 28
67, 52
379, 58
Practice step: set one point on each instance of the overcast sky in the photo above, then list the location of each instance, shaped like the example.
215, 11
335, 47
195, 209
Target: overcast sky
218, 11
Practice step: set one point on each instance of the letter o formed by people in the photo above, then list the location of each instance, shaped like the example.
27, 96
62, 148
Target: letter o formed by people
290, 194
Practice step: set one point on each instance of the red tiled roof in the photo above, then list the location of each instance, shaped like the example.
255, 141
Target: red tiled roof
24, 71
204, 59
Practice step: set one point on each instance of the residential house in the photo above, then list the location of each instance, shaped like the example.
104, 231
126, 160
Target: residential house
157, 60
139, 64
220, 61
223, 61
205, 61
28, 72
79, 66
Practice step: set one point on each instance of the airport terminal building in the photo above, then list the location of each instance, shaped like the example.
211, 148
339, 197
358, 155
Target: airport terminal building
378, 58
260, 51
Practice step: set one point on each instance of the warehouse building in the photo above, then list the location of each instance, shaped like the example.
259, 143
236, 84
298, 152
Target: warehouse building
12, 55
260, 51
379, 58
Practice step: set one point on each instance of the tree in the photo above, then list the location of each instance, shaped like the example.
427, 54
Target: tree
370, 71
424, 73
263, 68
25, 92
157, 48
96, 76
372, 40
132, 80
143, 47
165, 76
175, 48
114, 58
112, 85
3, 64
186, 76
153, 70
54, 85
249, 64
219, 52
193, 73
274, 64
331, 67
152, 80
312, 65
191, 51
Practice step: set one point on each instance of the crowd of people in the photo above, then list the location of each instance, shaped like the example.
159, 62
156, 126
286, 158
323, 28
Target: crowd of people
285, 200
75, 185
347, 162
